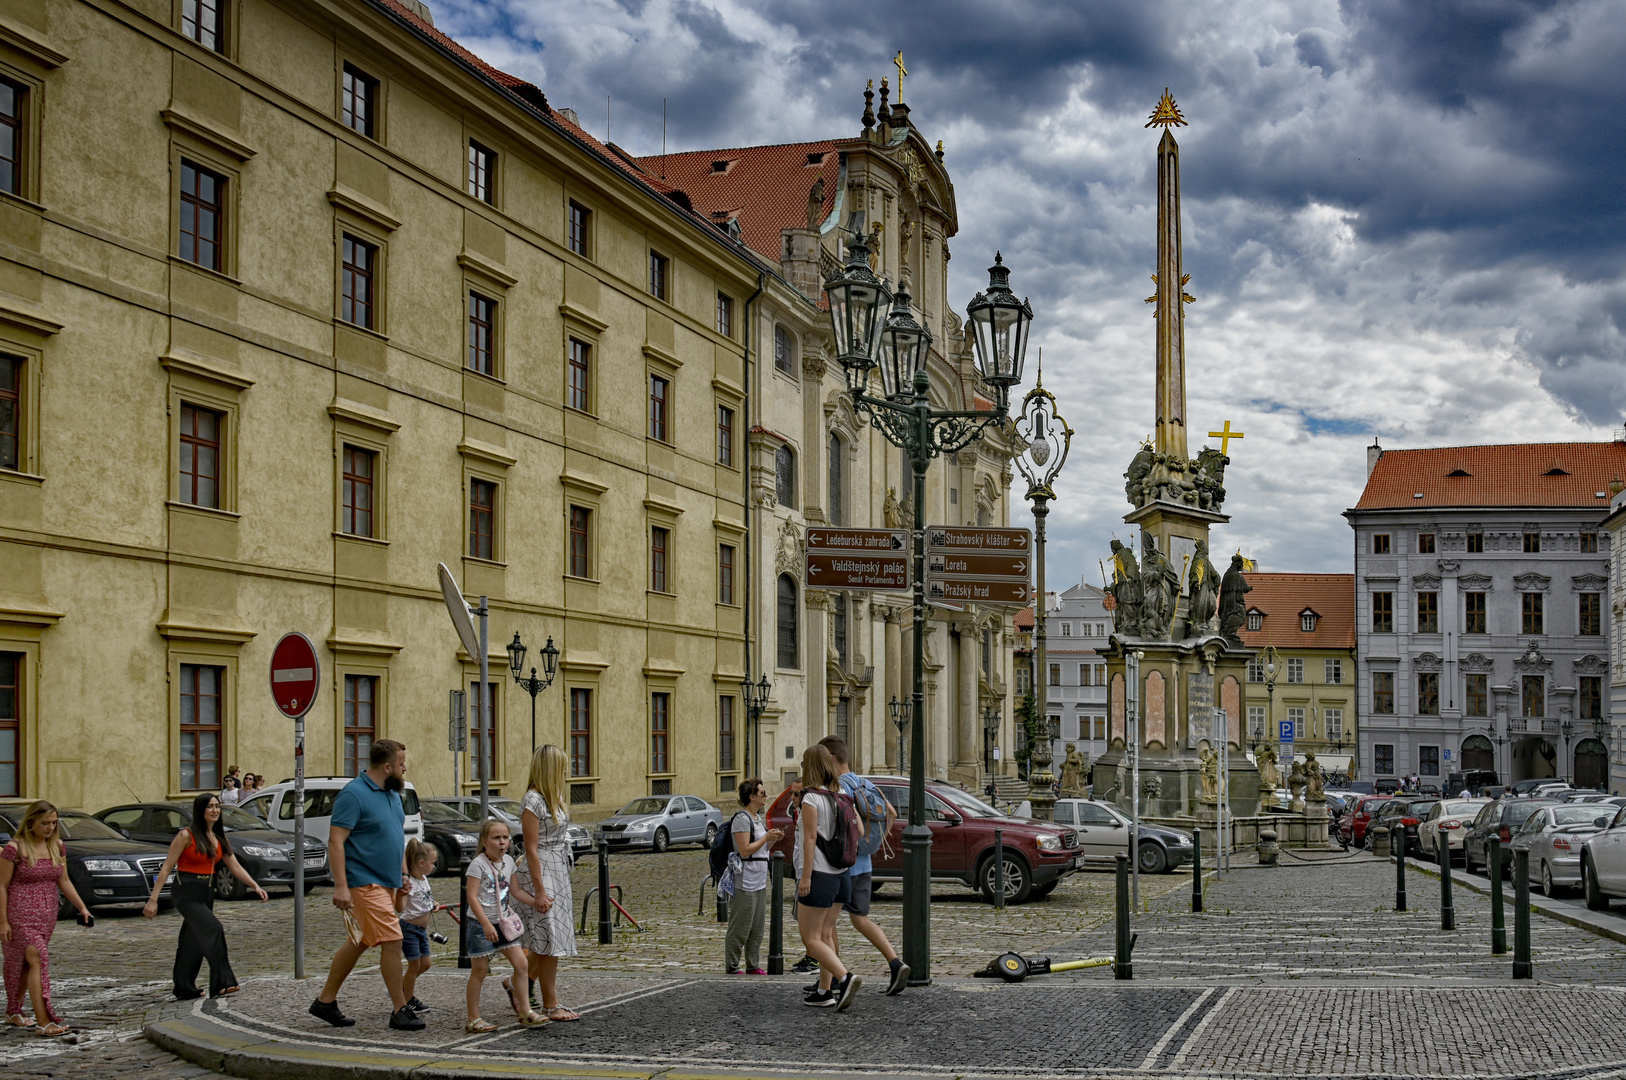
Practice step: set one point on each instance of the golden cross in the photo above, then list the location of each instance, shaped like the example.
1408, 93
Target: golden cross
902, 71
1225, 436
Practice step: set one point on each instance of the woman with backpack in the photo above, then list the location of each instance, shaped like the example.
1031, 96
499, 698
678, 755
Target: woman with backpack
822, 886
748, 863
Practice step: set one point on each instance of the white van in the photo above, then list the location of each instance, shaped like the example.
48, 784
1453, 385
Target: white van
275, 806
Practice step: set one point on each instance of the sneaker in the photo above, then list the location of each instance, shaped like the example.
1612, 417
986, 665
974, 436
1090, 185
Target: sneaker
329, 1011
757, 971
820, 1000
811, 988
404, 1019
733, 971
845, 990
417, 1006
805, 966
900, 979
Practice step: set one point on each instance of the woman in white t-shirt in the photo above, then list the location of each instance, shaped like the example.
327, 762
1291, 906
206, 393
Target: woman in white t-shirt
749, 865
821, 888
492, 925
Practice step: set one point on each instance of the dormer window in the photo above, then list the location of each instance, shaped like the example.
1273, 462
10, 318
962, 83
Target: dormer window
816, 157
1307, 620
1256, 619
722, 165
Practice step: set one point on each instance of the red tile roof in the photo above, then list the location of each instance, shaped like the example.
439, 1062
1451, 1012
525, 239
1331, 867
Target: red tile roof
1522, 474
1024, 619
1283, 597
766, 187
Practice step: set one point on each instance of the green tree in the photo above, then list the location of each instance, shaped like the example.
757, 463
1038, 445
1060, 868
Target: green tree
1027, 719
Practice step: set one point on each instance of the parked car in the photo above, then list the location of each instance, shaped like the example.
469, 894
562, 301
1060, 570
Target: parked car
274, 805
1038, 854
1474, 781
105, 867
1528, 787
1386, 787
455, 836
1603, 862
581, 841
1401, 814
1362, 787
1449, 818
1553, 836
1352, 830
658, 821
1496, 823
264, 852
1103, 831
1592, 796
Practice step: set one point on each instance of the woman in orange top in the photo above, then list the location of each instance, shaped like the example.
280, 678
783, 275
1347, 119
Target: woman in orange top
194, 854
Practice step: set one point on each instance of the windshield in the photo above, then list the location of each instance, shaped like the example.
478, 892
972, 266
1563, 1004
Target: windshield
236, 820
967, 804
505, 806
443, 814
644, 806
1575, 815
84, 827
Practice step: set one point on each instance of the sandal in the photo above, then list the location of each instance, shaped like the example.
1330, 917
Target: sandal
54, 1029
553, 1014
479, 1026
19, 1020
534, 1020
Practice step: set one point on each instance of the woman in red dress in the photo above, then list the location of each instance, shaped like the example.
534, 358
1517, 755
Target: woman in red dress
33, 869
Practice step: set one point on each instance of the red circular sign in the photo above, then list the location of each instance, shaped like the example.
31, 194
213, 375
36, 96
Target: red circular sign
295, 675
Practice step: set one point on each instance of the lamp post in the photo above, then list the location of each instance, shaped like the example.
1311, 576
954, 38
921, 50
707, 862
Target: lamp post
533, 685
990, 731
1048, 439
1272, 667
904, 415
1568, 730
756, 703
900, 717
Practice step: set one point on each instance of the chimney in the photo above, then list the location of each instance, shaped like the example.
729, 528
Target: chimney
570, 114
420, 9
799, 260
1373, 452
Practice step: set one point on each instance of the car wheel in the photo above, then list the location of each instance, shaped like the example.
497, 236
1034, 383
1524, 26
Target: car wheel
227, 887
1595, 899
1018, 879
711, 836
661, 840
1153, 859
1548, 889
309, 885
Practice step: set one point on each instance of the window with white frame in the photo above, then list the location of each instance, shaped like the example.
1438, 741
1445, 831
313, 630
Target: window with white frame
1335, 724
1256, 721
1295, 670
1334, 672
1295, 714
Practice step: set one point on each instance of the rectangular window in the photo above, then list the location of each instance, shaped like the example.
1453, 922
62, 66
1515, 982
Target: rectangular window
203, 215
725, 436
659, 389
1055, 674
1334, 672
1383, 613
660, 728
657, 275
838, 628
783, 358
1256, 721
356, 511
1335, 724
11, 724
1428, 693
1591, 615
12, 99
1530, 605
357, 301
201, 688
358, 101
658, 540
1589, 703
1533, 696
580, 390
725, 573
200, 456
1383, 692
482, 172
1295, 716
1476, 543
1473, 613
482, 718
360, 721
1380, 543
1428, 613
580, 521
11, 412
1589, 543
1256, 670
482, 518
1476, 696
204, 21
1083, 674
725, 733
725, 315
1295, 670
1383, 759
482, 334
576, 227
1425, 543
786, 626
581, 733
1428, 760
1532, 543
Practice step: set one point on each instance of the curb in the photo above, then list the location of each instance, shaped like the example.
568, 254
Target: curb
1602, 925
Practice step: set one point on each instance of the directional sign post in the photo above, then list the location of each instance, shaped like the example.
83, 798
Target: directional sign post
296, 676
873, 559
978, 565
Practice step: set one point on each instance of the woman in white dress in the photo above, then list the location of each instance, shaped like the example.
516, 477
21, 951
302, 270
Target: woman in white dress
544, 873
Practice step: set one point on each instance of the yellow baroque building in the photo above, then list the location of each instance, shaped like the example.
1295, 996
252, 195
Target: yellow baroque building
299, 299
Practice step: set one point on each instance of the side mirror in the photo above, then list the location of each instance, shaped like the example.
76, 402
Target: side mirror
1601, 822
1116, 824
950, 819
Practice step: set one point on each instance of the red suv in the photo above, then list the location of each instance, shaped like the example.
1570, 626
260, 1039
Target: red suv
1352, 829
1038, 854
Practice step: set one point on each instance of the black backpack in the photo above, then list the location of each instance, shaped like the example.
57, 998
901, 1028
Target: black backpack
722, 848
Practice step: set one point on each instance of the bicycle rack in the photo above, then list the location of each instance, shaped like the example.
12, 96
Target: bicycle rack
615, 902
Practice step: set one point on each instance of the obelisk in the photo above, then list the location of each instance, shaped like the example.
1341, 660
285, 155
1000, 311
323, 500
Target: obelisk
1171, 280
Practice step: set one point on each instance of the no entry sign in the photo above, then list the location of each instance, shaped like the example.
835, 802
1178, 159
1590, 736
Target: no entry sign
295, 675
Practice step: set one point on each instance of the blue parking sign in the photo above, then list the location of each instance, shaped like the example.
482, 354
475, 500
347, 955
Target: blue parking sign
1286, 731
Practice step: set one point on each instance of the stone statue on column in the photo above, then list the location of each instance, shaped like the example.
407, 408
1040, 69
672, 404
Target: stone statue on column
1160, 590
1233, 610
1126, 591
1205, 592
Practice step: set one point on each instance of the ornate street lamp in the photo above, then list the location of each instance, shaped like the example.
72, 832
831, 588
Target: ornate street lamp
755, 696
1273, 665
900, 717
905, 417
533, 685
990, 731
1567, 729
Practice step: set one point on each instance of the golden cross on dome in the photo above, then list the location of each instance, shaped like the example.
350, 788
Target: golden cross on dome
1225, 436
902, 71
1167, 113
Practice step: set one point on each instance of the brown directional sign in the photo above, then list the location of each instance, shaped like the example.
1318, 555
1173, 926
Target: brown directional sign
977, 591
978, 565
865, 541
989, 541
857, 559
1001, 566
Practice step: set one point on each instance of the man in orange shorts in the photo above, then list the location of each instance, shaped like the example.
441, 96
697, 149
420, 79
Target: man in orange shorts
366, 847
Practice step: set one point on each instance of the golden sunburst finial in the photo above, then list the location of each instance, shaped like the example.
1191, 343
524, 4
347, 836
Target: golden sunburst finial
1167, 113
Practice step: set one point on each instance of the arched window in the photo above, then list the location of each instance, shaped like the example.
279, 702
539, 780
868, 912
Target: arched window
784, 476
834, 508
788, 623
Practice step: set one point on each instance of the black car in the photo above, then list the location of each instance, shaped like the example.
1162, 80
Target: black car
1497, 822
105, 868
1473, 781
457, 836
1404, 814
264, 852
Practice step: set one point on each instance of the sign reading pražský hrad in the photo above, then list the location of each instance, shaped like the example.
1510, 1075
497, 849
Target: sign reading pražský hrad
295, 675
876, 559
978, 565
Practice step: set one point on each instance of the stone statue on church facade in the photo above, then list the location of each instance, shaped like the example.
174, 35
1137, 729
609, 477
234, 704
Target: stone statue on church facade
1233, 609
1126, 591
1160, 590
1204, 592
891, 510
815, 204
1072, 773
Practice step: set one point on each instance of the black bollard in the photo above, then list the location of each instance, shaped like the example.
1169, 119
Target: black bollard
1448, 914
605, 935
1123, 967
462, 922
1521, 915
1400, 873
1196, 869
1498, 929
776, 914
999, 869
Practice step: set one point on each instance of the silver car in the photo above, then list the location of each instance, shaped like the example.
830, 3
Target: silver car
508, 811
659, 821
1553, 836
1603, 859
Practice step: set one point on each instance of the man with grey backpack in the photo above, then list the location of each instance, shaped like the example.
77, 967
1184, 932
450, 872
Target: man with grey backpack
877, 814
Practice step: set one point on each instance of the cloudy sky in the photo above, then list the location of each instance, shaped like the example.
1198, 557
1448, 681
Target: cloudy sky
1402, 219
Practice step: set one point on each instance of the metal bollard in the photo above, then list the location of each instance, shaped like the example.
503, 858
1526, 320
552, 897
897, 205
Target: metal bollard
1123, 967
776, 914
605, 934
1498, 929
1196, 869
999, 869
1521, 915
1448, 914
1400, 874
463, 960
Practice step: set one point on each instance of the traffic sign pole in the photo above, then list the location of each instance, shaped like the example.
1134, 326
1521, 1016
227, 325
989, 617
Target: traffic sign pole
296, 676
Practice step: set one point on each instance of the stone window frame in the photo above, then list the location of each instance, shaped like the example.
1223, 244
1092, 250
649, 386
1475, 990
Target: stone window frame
230, 19
573, 204
370, 429
185, 149
378, 85
489, 464
211, 384
17, 342
32, 82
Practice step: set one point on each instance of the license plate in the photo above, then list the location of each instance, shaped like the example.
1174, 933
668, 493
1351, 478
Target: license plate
313, 863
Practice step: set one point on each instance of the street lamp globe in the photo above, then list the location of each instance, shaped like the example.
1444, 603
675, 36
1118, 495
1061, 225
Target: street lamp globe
516, 655
999, 324
904, 348
857, 298
550, 659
